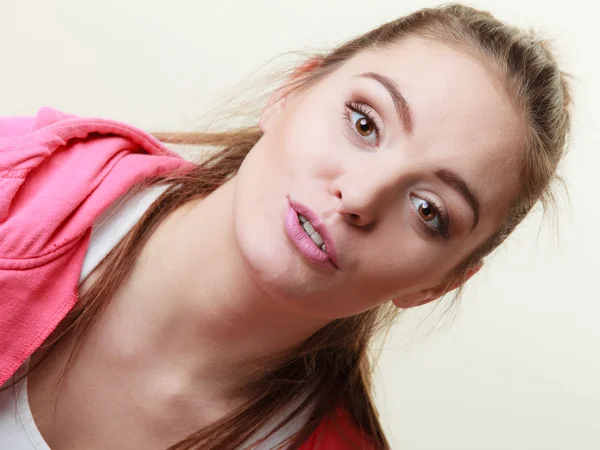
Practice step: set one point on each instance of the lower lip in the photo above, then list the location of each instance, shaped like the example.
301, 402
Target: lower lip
304, 243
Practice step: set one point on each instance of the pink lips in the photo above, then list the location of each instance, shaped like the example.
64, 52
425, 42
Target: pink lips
303, 242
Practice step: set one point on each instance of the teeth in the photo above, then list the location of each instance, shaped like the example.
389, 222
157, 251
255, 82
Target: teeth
310, 230
317, 239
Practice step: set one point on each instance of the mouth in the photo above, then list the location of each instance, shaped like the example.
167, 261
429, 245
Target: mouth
310, 236
309, 229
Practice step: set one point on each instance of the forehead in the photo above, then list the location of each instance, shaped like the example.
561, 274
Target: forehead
462, 117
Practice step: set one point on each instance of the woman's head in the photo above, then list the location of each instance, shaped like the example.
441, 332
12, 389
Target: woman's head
419, 146
487, 103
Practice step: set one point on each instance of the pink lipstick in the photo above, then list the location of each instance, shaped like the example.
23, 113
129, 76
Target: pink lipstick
310, 236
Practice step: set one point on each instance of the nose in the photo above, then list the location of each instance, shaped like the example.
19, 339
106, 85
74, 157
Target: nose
361, 200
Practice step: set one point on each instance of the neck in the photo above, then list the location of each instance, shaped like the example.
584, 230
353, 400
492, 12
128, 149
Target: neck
202, 308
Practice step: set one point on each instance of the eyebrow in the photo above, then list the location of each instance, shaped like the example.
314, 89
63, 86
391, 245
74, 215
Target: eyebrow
400, 102
453, 180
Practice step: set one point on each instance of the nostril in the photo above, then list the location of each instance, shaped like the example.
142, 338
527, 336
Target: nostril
335, 192
354, 217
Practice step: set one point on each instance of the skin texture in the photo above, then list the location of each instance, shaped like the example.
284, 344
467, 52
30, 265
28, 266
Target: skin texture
461, 121
220, 286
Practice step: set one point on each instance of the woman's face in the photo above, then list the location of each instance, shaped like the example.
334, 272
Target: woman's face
403, 159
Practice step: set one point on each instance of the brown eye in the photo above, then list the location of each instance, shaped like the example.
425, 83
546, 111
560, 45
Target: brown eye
431, 215
364, 127
426, 211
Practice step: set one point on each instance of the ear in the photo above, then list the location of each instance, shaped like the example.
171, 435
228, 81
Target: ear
415, 299
428, 295
277, 101
307, 67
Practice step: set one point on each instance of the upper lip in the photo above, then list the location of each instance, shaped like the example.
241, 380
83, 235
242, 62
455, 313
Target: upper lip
319, 227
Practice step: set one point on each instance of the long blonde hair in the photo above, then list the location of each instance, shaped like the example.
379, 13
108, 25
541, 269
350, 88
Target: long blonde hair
332, 368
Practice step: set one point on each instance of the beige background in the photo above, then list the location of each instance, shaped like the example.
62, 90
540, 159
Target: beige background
519, 366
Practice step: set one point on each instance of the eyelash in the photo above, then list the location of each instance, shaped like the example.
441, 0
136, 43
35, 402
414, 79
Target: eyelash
441, 213
365, 110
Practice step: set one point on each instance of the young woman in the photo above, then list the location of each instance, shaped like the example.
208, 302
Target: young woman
150, 303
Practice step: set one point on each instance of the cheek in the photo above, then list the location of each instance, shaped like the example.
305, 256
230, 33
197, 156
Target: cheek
394, 273
311, 139
397, 261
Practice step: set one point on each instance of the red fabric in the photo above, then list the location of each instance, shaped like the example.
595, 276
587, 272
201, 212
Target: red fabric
338, 433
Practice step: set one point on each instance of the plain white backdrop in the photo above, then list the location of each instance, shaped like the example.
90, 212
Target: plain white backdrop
518, 368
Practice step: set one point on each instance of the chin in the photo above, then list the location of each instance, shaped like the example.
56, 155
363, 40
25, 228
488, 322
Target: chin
271, 260
267, 260
281, 276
